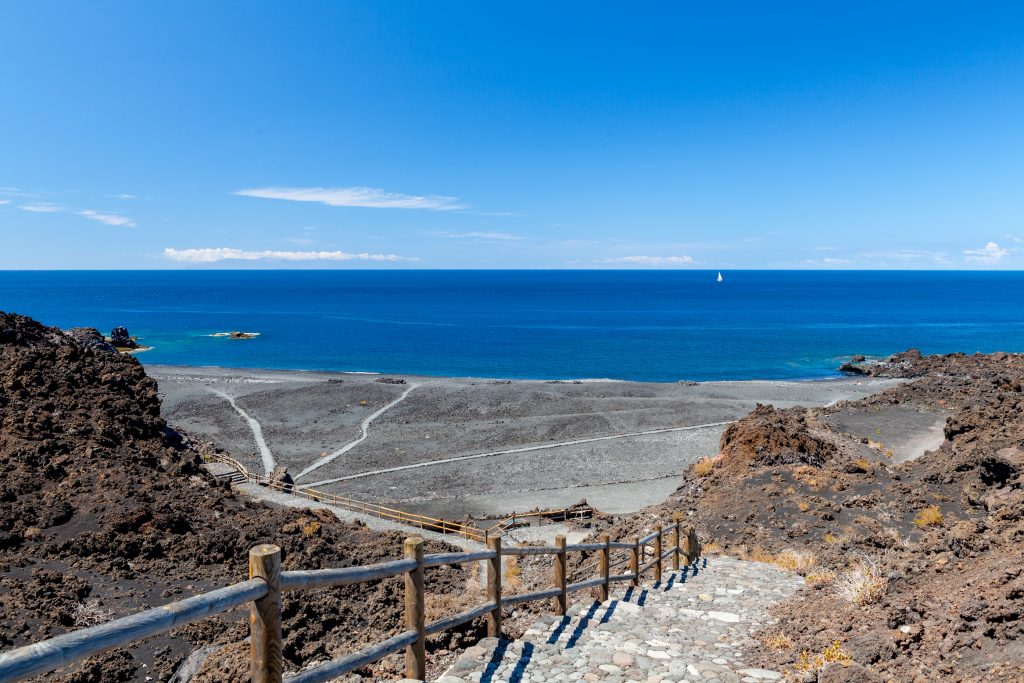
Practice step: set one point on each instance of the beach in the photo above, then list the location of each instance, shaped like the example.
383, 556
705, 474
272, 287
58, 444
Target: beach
456, 446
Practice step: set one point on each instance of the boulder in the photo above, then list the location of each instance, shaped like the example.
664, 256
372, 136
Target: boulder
90, 338
120, 338
280, 476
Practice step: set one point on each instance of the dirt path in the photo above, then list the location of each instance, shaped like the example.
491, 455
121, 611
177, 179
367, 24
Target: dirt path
257, 432
507, 451
364, 426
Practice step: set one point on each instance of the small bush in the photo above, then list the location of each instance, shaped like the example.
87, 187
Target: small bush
831, 538
711, 548
796, 561
864, 465
91, 613
930, 516
832, 653
804, 506
861, 584
703, 467
821, 578
778, 641
512, 571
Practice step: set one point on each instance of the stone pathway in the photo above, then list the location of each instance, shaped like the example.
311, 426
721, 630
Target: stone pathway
695, 626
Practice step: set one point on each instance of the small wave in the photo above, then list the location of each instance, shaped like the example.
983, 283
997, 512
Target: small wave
228, 334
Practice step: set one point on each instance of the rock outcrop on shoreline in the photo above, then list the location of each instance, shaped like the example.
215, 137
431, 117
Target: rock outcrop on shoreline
105, 511
916, 568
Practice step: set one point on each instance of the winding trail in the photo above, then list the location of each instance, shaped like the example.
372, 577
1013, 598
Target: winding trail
257, 432
508, 451
365, 426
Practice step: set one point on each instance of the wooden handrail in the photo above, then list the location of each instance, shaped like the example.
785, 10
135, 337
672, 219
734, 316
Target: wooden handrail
47, 655
266, 583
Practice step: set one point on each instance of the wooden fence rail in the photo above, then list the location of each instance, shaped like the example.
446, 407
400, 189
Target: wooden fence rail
266, 583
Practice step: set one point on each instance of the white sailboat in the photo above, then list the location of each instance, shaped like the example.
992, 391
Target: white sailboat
719, 276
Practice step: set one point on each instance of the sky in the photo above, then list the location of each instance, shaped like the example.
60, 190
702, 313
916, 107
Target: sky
718, 135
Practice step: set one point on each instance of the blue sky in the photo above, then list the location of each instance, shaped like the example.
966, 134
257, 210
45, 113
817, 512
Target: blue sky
511, 135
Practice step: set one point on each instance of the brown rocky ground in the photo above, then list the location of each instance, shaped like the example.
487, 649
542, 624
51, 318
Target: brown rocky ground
104, 511
915, 569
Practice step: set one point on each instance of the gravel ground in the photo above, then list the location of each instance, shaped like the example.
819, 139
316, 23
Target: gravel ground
305, 415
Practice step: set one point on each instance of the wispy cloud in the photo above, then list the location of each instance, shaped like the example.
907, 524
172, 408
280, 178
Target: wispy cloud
650, 260
214, 254
475, 235
113, 219
5, 201
356, 196
990, 253
827, 261
107, 218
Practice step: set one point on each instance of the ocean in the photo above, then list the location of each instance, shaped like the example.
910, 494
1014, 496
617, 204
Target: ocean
629, 325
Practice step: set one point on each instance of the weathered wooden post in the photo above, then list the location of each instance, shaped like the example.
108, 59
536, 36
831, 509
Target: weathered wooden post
604, 564
560, 572
691, 550
494, 588
657, 555
415, 653
675, 540
634, 562
266, 662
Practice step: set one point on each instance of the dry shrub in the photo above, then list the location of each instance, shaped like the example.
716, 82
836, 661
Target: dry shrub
800, 561
759, 554
704, 467
831, 538
930, 516
804, 506
513, 572
864, 465
711, 548
777, 640
821, 578
832, 653
862, 583
91, 613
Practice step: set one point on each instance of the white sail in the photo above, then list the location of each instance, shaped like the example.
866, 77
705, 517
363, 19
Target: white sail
719, 276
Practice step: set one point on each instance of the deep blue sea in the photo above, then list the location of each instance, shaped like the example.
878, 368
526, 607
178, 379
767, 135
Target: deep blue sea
635, 325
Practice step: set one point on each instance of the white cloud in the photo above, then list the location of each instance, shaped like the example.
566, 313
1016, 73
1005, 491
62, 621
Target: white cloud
5, 201
107, 218
355, 196
476, 235
651, 260
990, 253
214, 254
827, 262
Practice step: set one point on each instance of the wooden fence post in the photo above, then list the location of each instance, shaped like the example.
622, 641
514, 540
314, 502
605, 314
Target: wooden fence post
657, 555
675, 540
415, 653
265, 658
604, 563
691, 551
494, 588
634, 562
560, 572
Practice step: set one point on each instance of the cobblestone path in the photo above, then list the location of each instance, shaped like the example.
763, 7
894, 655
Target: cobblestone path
694, 626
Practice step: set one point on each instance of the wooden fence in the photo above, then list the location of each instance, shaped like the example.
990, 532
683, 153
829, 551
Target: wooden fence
262, 591
442, 526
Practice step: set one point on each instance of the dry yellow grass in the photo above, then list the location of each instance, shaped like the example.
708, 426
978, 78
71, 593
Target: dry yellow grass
796, 561
821, 578
862, 584
513, 572
711, 548
930, 516
832, 653
864, 465
804, 506
777, 640
704, 467
831, 538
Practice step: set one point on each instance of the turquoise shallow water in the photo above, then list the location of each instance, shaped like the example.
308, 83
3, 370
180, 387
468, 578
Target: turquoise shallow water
636, 325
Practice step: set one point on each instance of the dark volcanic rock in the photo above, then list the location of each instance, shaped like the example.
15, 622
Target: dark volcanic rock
120, 338
104, 511
90, 338
769, 436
